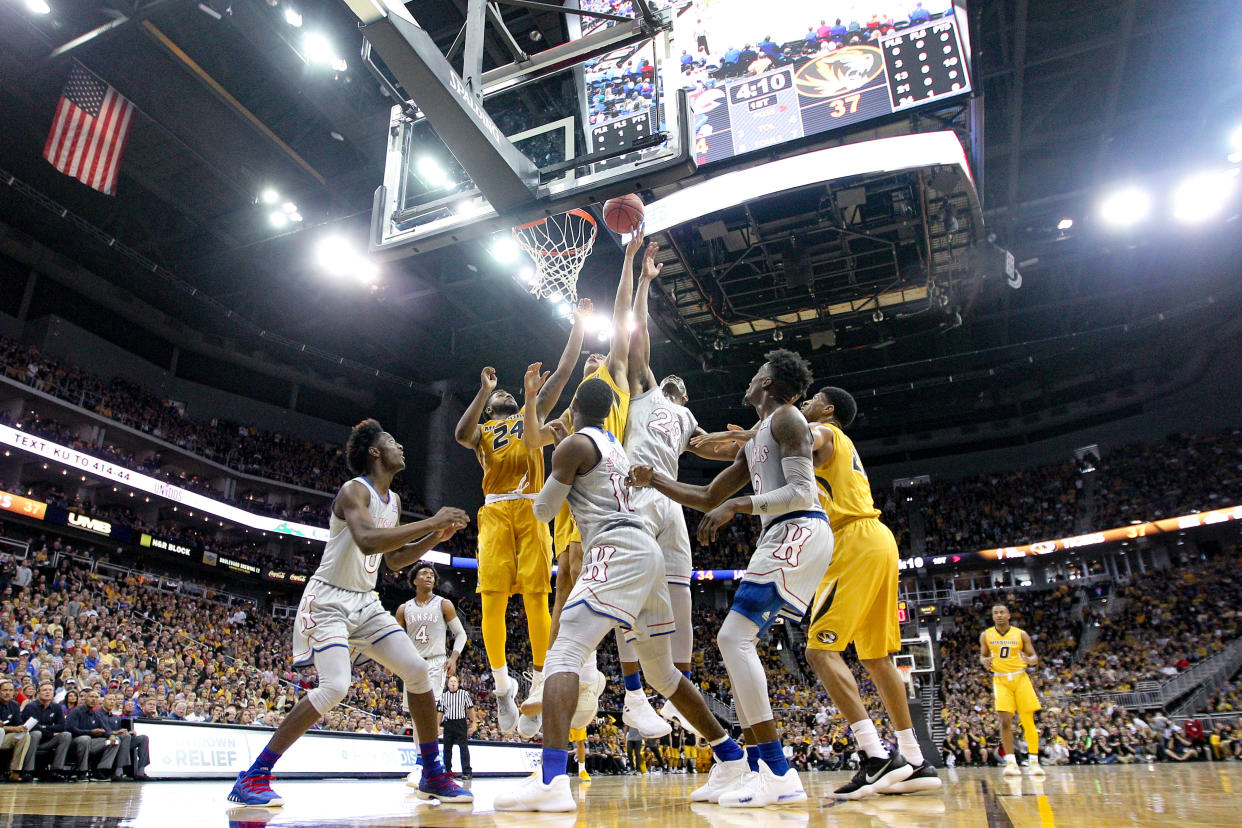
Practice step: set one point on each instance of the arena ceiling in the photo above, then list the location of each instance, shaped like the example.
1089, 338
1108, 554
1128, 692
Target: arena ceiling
1074, 97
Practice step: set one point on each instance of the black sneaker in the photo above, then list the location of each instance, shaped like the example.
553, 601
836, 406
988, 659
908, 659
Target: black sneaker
874, 774
924, 778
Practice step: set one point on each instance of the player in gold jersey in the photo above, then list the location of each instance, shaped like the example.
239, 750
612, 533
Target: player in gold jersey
1007, 651
515, 549
857, 602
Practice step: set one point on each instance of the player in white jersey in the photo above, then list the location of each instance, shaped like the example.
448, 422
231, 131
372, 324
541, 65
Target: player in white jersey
658, 431
793, 553
622, 584
426, 619
340, 614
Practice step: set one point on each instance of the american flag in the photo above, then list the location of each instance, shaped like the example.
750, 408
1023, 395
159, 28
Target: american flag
89, 132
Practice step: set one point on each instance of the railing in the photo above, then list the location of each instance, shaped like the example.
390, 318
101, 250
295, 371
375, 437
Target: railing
17, 550
722, 711
1226, 664
160, 583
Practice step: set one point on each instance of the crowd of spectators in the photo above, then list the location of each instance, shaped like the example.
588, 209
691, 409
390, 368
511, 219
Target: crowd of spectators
271, 455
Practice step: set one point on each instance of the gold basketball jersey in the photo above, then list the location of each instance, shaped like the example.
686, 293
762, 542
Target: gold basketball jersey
509, 467
844, 490
1006, 649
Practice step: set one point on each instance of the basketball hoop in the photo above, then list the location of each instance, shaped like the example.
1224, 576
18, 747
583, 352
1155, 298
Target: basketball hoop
907, 678
559, 245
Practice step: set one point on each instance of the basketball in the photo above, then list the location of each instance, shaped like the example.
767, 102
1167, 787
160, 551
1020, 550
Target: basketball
623, 214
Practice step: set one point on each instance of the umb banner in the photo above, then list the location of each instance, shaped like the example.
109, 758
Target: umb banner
102, 468
190, 750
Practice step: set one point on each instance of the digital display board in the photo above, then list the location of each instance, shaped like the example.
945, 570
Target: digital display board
759, 77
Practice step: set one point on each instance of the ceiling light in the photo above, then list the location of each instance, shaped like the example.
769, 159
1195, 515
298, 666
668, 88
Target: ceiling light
295, 217
564, 309
1236, 139
38, 7
527, 275
338, 257
293, 17
429, 170
1125, 207
318, 49
269, 196
339, 65
505, 249
1203, 195
203, 7
278, 219
1065, 224
289, 207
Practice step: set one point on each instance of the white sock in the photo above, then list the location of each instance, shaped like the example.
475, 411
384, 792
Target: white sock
908, 744
589, 669
502, 679
1011, 758
868, 739
637, 695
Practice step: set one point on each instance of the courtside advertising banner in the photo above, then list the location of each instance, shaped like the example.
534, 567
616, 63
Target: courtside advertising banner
189, 750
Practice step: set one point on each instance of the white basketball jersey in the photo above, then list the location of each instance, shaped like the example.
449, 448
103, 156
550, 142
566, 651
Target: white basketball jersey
425, 624
763, 456
658, 431
600, 496
343, 564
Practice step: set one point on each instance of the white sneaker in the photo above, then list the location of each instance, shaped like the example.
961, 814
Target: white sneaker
588, 701
528, 726
532, 795
765, 788
532, 705
724, 777
1011, 766
669, 711
506, 708
1033, 767
639, 713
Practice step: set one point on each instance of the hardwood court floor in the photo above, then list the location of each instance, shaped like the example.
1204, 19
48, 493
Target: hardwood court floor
1183, 795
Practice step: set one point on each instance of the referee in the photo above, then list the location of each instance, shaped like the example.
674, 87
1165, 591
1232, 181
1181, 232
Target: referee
459, 723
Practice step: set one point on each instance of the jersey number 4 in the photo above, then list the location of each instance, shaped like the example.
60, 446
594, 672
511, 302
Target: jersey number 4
595, 568
421, 636
500, 438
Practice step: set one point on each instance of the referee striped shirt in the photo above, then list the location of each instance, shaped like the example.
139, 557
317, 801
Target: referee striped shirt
454, 703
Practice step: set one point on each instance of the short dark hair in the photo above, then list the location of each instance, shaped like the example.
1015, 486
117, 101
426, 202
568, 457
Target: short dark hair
420, 567
791, 374
364, 435
845, 407
488, 402
595, 399
1002, 605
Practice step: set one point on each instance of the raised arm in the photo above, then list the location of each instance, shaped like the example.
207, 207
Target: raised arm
702, 498
535, 433
550, 393
468, 430
640, 375
619, 349
351, 506
571, 456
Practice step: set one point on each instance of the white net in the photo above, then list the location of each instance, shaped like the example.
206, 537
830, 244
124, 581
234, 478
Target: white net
558, 245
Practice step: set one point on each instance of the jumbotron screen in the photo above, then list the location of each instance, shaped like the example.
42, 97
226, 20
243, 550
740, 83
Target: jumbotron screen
761, 74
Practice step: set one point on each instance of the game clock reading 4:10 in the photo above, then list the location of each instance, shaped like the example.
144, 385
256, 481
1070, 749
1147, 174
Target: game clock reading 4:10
923, 65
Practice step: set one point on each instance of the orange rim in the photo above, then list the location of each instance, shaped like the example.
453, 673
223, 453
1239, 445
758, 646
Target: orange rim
583, 214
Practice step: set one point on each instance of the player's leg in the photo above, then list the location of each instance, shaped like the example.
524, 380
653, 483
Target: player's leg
568, 567
637, 710
253, 786
580, 632
1006, 724
497, 581
397, 653
1028, 704
534, 576
774, 782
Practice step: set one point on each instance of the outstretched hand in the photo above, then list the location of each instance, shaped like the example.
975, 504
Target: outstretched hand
640, 476
582, 312
735, 434
488, 380
651, 270
636, 242
559, 432
533, 380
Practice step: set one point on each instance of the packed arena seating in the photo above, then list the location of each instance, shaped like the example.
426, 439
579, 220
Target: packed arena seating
1166, 623
270, 455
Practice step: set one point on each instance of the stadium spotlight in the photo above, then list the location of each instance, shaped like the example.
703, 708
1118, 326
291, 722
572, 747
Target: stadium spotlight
269, 196
340, 65
504, 249
564, 309
1236, 140
1065, 224
1125, 207
527, 275
601, 325
293, 17
429, 170
1203, 195
38, 7
278, 218
317, 49
338, 257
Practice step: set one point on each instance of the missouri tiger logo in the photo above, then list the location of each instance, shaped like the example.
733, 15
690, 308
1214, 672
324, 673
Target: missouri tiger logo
841, 71
826, 637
